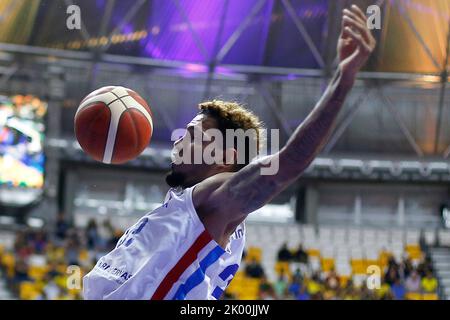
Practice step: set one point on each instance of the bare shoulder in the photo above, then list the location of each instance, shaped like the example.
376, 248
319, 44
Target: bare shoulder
204, 189
210, 211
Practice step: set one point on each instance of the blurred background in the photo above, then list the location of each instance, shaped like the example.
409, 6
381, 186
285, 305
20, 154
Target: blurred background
378, 194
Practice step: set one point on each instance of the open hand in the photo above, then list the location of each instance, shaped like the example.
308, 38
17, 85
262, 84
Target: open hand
356, 42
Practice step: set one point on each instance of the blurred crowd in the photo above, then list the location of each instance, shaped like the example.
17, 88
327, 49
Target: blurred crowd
399, 280
38, 267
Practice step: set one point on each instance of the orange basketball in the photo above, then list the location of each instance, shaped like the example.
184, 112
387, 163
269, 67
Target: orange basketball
113, 124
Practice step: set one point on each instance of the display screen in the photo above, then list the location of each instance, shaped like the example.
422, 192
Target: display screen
22, 131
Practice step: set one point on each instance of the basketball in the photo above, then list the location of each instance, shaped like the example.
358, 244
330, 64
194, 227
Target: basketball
113, 124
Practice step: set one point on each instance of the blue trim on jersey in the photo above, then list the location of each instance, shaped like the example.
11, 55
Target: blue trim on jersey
199, 275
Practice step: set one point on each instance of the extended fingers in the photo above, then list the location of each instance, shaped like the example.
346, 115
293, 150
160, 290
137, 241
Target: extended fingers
356, 19
354, 16
356, 10
356, 25
358, 38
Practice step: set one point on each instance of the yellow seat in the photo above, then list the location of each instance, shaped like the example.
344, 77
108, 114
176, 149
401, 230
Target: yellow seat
239, 275
343, 280
430, 296
62, 268
248, 289
313, 252
37, 272
74, 292
248, 297
358, 266
413, 296
414, 252
59, 253
251, 282
61, 281
9, 262
83, 255
282, 267
384, 258
413, 247
372, 262
253, 253
28, 291
235, 285
327, 264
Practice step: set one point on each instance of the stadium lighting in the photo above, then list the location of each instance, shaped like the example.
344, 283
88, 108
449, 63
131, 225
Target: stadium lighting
33, 222
6, 220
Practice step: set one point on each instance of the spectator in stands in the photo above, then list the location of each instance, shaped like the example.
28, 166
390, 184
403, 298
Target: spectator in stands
365, 293
61, 228
384, 292
284, 254
39, 242
72, 252
53, 270
388, 295
20, 274
413, 282
405, 268
302, 294
254, 269
314, 287
266, 290
332, 281
20, 240
429, 283
300, 255
297, 276
392, 275
22, 246
424, 266
92, 234
294, 288
281, 285
349, 291
398, 290
107, 236
51, 290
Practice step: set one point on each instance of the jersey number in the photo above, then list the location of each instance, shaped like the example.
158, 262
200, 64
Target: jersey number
128, 239
225, 275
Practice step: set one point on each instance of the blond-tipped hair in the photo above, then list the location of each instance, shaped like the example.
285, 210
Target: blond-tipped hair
233, 115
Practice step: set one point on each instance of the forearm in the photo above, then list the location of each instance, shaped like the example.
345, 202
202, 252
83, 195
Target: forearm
248, 189
312, 134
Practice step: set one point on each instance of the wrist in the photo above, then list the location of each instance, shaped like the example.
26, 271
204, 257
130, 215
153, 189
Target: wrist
346, 77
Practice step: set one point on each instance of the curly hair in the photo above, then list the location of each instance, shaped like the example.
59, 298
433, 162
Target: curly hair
234, 116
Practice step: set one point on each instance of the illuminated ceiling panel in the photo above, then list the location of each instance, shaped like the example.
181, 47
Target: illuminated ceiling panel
192, 30
409, 22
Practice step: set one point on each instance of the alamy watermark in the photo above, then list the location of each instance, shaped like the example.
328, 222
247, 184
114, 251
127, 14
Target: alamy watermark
73, 21
374, 17
373, 281
73, 281
237, 147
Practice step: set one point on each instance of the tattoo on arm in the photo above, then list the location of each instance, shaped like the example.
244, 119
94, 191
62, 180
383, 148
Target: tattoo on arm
248, 190
310, 137
251, 190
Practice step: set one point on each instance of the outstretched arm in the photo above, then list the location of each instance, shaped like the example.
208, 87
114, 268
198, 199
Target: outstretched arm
248, 190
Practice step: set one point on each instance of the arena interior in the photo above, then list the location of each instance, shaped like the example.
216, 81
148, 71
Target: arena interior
368, 220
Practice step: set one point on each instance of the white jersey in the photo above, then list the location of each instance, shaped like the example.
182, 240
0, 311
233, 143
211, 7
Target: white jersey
167, 254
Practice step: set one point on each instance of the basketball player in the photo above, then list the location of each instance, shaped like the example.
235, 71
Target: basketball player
191, 246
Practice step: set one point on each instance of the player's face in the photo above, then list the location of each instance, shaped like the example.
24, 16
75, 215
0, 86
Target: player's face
192, 142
